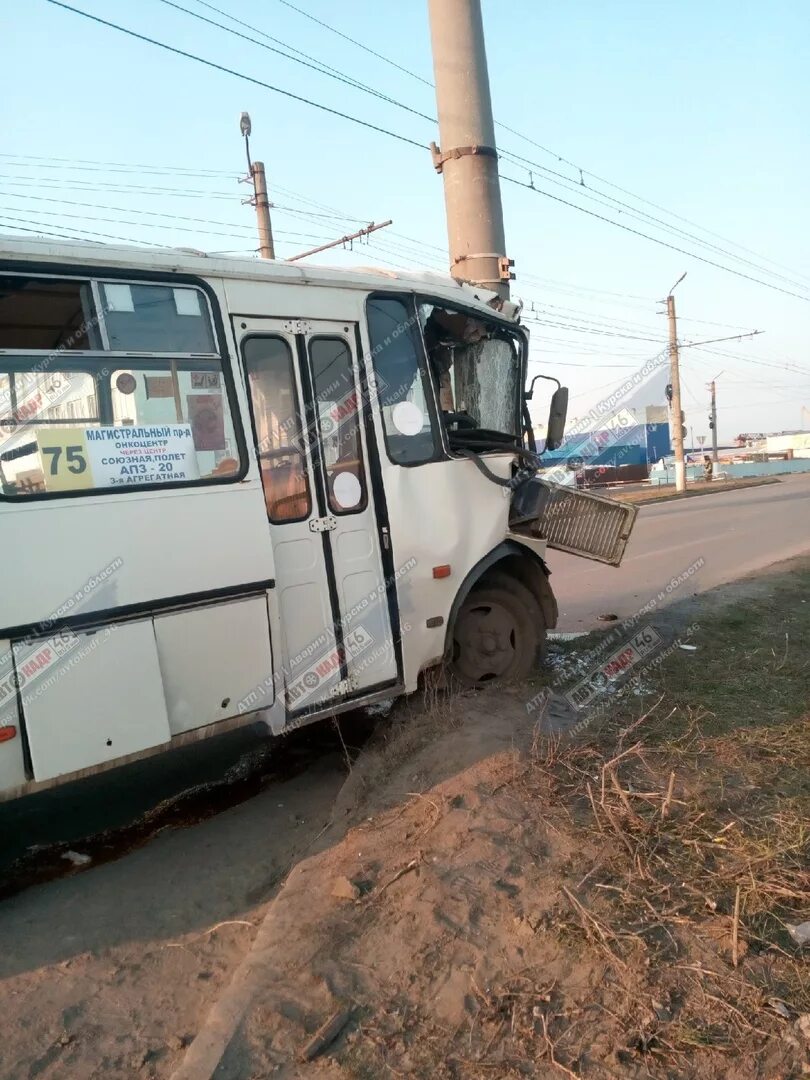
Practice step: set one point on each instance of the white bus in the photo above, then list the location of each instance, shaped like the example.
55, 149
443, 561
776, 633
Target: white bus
235, 489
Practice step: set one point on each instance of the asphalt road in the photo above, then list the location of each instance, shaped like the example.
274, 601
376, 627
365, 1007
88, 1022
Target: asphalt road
733, 532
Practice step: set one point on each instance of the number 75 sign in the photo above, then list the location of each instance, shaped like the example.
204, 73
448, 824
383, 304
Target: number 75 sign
64, 459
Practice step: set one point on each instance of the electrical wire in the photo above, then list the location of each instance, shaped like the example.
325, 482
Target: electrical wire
585, 192
545, 149
354, 41
238, 74
164, 227
407, 140
128, 166
18, 180
646, 236
63, 236
122, 209
310, 62
562, 180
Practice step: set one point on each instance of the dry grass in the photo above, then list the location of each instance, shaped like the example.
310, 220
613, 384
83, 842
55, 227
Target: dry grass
706, 822
659, 856
688, 901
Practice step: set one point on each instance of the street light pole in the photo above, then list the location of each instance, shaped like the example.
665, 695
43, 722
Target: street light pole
260, 198
675, 382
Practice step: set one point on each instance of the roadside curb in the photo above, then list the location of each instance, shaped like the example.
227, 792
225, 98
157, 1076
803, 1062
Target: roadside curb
719, 490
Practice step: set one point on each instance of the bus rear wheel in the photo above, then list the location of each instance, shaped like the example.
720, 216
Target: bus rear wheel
499, 633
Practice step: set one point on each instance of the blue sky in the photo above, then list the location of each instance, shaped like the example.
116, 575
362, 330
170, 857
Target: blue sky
700, 108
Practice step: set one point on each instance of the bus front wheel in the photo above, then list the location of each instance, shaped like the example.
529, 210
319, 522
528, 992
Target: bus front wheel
499, 633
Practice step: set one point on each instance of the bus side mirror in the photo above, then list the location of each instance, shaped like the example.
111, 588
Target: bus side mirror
557, 414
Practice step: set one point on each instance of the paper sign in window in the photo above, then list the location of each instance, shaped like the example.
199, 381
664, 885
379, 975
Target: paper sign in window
187, 302
207, 419
119, 298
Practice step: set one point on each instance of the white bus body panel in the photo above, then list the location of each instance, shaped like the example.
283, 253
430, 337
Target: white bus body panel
170, 543
168, 672
442, 513
108, 704
211, 659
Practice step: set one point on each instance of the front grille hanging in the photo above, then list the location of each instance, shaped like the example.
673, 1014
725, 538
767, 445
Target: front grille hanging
581, 522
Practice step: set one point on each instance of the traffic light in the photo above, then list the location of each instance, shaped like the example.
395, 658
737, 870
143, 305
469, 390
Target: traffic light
711, 422
669, 391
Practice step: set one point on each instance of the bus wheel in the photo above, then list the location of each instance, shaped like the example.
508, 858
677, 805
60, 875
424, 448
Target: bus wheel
498, 634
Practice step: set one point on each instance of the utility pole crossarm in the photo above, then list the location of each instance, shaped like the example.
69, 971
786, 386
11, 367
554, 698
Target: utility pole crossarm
342, 240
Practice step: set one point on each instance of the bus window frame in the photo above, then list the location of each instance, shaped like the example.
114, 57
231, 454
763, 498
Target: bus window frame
362, 505
514, 330
303, 451
408, 299
226, 361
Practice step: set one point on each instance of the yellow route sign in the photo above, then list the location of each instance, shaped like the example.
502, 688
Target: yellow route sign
65, 464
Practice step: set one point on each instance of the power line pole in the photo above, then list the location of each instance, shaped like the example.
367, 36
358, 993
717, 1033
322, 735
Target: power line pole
713, 422
262, 204
675, 383
260, 199
468, 160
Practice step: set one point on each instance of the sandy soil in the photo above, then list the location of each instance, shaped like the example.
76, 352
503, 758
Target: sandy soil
109, 972
446, 901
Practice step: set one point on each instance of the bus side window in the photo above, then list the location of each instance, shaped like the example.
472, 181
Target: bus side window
402, 389
277, 428
338, 408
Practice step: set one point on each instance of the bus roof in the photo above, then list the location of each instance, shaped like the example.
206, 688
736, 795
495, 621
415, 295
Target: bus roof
187, 261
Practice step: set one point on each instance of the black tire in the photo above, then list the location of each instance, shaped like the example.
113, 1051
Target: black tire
499, 633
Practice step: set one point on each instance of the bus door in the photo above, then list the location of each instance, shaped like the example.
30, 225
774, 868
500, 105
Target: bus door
329, 546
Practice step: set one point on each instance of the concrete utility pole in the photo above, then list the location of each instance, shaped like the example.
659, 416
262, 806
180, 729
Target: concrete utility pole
468, 160
262, 204
675, 382
260, 200
713, 424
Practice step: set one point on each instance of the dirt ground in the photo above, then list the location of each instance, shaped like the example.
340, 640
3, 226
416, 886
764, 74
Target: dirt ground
497, 886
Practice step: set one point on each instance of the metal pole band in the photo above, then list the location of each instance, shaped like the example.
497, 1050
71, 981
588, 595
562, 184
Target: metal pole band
459, 152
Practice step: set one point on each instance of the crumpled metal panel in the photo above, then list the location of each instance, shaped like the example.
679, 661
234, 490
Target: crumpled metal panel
579, 522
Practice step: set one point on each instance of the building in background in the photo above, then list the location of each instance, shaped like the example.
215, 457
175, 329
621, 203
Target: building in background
794, 444
618, 445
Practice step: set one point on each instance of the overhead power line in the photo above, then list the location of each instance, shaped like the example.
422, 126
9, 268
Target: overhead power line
354, 41
620, 207
551, 175
162, 225
238, 74
582, 172
17, 180
122, 209
405, 139
646, 236
128, 165
303, 58
295, 211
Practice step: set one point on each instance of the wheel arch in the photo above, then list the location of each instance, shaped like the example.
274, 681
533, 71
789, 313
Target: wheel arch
516, 561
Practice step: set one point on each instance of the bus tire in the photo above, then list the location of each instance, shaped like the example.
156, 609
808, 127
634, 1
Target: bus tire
498, 634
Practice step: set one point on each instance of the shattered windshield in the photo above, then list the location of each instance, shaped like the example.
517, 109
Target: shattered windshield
476, 368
